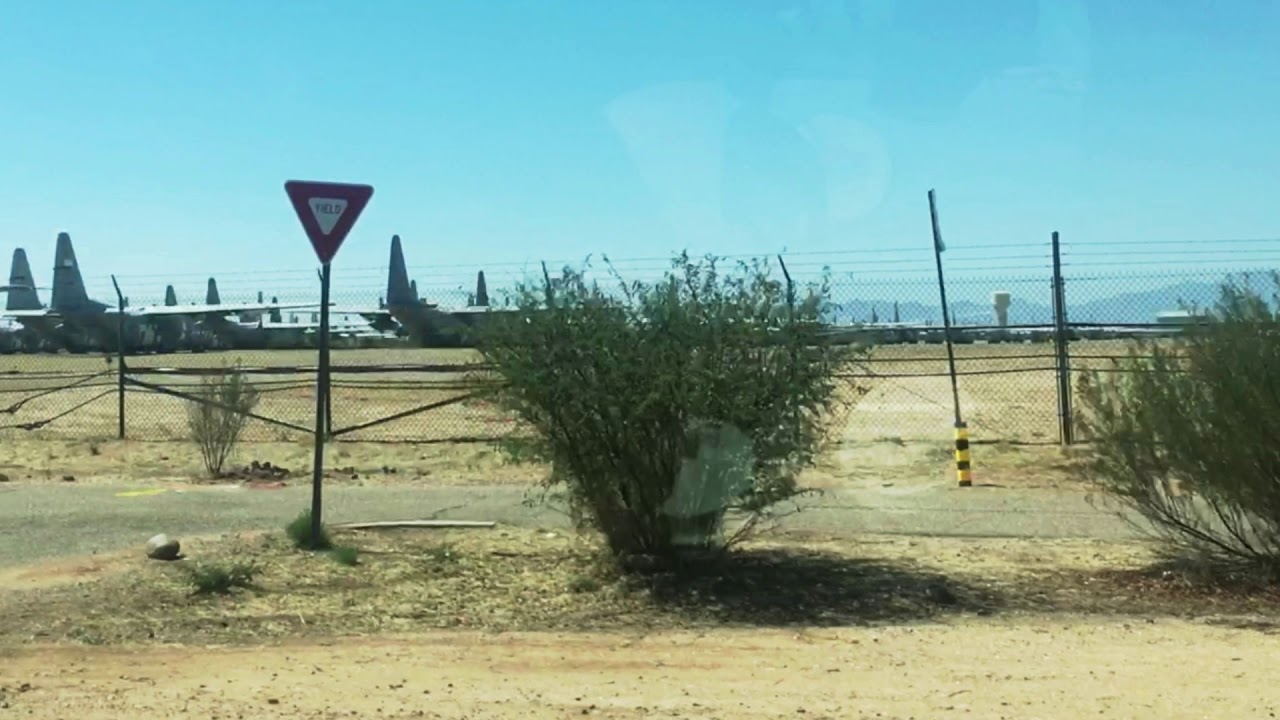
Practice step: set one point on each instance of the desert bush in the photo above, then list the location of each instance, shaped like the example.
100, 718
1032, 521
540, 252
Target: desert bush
219, 414
213, 578
1184, 431
661, 406
299, 532
346, 555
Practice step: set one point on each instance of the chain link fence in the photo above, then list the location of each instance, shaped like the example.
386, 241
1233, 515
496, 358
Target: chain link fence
1007, 363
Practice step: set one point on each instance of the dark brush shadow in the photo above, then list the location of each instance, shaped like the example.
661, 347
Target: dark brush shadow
777, 587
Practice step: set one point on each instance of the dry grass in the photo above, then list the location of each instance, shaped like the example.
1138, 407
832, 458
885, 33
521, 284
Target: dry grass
898, 432
847, 464
80, 392
850, 463
134, 462
513, 580
1007, 393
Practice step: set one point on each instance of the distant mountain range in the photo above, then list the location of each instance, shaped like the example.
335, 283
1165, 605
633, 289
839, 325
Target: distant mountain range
1137, 306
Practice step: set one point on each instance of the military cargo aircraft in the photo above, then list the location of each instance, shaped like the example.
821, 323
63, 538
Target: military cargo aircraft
252, 330
425, 324
76, 322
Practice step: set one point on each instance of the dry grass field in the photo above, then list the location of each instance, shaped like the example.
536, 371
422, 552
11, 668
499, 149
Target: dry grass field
59, 415
1007, 392
89, 392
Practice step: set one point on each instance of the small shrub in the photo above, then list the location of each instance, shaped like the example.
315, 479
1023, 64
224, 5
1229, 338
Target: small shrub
299, 531
346, 555
662, 406
584, 584
218, 416
210, 578
1184, 431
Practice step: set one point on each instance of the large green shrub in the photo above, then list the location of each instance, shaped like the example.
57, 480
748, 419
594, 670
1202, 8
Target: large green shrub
1185, 430
662, 405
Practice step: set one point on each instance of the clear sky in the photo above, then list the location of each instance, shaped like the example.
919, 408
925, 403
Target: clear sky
159, 133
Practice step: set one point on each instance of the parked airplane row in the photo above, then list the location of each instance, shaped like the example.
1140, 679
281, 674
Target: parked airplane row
76, 323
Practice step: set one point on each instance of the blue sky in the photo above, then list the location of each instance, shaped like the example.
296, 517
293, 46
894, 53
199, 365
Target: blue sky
501, 132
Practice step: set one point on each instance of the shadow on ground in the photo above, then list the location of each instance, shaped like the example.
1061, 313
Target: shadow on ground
1176, 587
776, 587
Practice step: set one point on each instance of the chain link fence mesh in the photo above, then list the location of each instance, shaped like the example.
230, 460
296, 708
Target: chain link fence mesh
1007, 383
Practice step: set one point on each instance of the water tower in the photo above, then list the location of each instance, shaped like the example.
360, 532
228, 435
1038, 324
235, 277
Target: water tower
1000, 307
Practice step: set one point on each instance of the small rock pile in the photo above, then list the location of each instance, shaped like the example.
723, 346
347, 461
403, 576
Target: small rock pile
258, 471
351, 472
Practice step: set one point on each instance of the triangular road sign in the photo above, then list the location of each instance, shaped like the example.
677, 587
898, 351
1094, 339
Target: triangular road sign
327, 211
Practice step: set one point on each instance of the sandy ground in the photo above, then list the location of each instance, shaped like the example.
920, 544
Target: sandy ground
1044, 669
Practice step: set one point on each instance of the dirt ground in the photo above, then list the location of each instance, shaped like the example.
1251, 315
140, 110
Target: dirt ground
1055, 668
508, 579
510, 623
141, 463
501, 624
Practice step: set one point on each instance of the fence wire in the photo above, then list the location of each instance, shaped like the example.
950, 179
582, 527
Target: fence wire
1007, 378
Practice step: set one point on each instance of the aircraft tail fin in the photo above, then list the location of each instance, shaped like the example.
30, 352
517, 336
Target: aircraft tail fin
399, 290
211, 296
170, 296
68, 285
22, 293
482, 291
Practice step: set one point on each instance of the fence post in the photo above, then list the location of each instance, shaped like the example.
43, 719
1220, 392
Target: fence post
120, 369
1062, 357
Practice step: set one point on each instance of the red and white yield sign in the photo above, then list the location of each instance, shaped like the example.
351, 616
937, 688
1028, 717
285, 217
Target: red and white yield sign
328, 211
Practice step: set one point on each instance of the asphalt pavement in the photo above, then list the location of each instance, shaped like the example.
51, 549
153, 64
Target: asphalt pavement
40, 522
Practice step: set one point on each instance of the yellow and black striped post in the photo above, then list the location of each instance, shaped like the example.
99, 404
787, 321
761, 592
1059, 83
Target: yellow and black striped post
963, 472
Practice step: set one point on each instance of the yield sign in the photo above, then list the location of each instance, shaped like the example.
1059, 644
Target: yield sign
327, 211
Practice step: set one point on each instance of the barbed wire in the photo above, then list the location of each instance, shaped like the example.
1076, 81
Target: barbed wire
1020, 262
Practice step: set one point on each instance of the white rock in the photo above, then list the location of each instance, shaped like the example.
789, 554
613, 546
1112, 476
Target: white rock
162, 547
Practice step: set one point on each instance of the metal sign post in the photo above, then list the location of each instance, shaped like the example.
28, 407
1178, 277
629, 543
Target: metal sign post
327, 212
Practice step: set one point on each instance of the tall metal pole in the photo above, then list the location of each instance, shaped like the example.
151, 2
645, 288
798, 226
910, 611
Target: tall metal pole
964, 471
322, 393
1062, 358
938, 247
